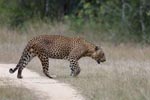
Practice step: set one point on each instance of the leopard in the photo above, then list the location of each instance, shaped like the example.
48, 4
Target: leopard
58, 47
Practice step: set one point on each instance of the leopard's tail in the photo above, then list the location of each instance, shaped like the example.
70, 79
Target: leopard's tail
20, 63
11, 70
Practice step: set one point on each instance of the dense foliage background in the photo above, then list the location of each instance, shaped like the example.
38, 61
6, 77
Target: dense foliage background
112, 20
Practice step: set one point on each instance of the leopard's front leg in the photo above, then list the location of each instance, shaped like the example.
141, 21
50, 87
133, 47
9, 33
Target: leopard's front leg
74, 66
74, 56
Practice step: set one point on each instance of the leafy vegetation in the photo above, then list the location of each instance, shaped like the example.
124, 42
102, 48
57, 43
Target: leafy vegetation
117, 20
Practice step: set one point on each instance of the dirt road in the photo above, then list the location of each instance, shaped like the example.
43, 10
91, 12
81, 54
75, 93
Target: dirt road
42, 86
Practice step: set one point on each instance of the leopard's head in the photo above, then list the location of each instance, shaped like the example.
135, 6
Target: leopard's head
98, 55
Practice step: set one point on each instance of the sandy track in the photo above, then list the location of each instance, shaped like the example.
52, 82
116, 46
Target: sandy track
42, 86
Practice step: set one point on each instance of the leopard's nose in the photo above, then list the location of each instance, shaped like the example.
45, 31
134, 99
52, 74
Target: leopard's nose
98, 62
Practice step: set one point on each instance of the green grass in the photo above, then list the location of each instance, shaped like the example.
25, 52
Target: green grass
124, 76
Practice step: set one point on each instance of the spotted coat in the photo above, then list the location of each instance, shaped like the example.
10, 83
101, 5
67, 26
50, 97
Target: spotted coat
58, 47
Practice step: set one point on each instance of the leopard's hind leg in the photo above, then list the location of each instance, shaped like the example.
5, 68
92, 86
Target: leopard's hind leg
26, 57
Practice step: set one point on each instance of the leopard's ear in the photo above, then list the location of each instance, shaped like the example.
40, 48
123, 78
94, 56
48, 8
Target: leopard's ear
96, 48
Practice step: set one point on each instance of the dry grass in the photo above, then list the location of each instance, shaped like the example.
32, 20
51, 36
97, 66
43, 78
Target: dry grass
16, 93
9, 92
124, 76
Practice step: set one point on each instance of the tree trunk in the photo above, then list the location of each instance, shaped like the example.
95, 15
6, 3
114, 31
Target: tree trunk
123, 12
46, 7
142, 20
